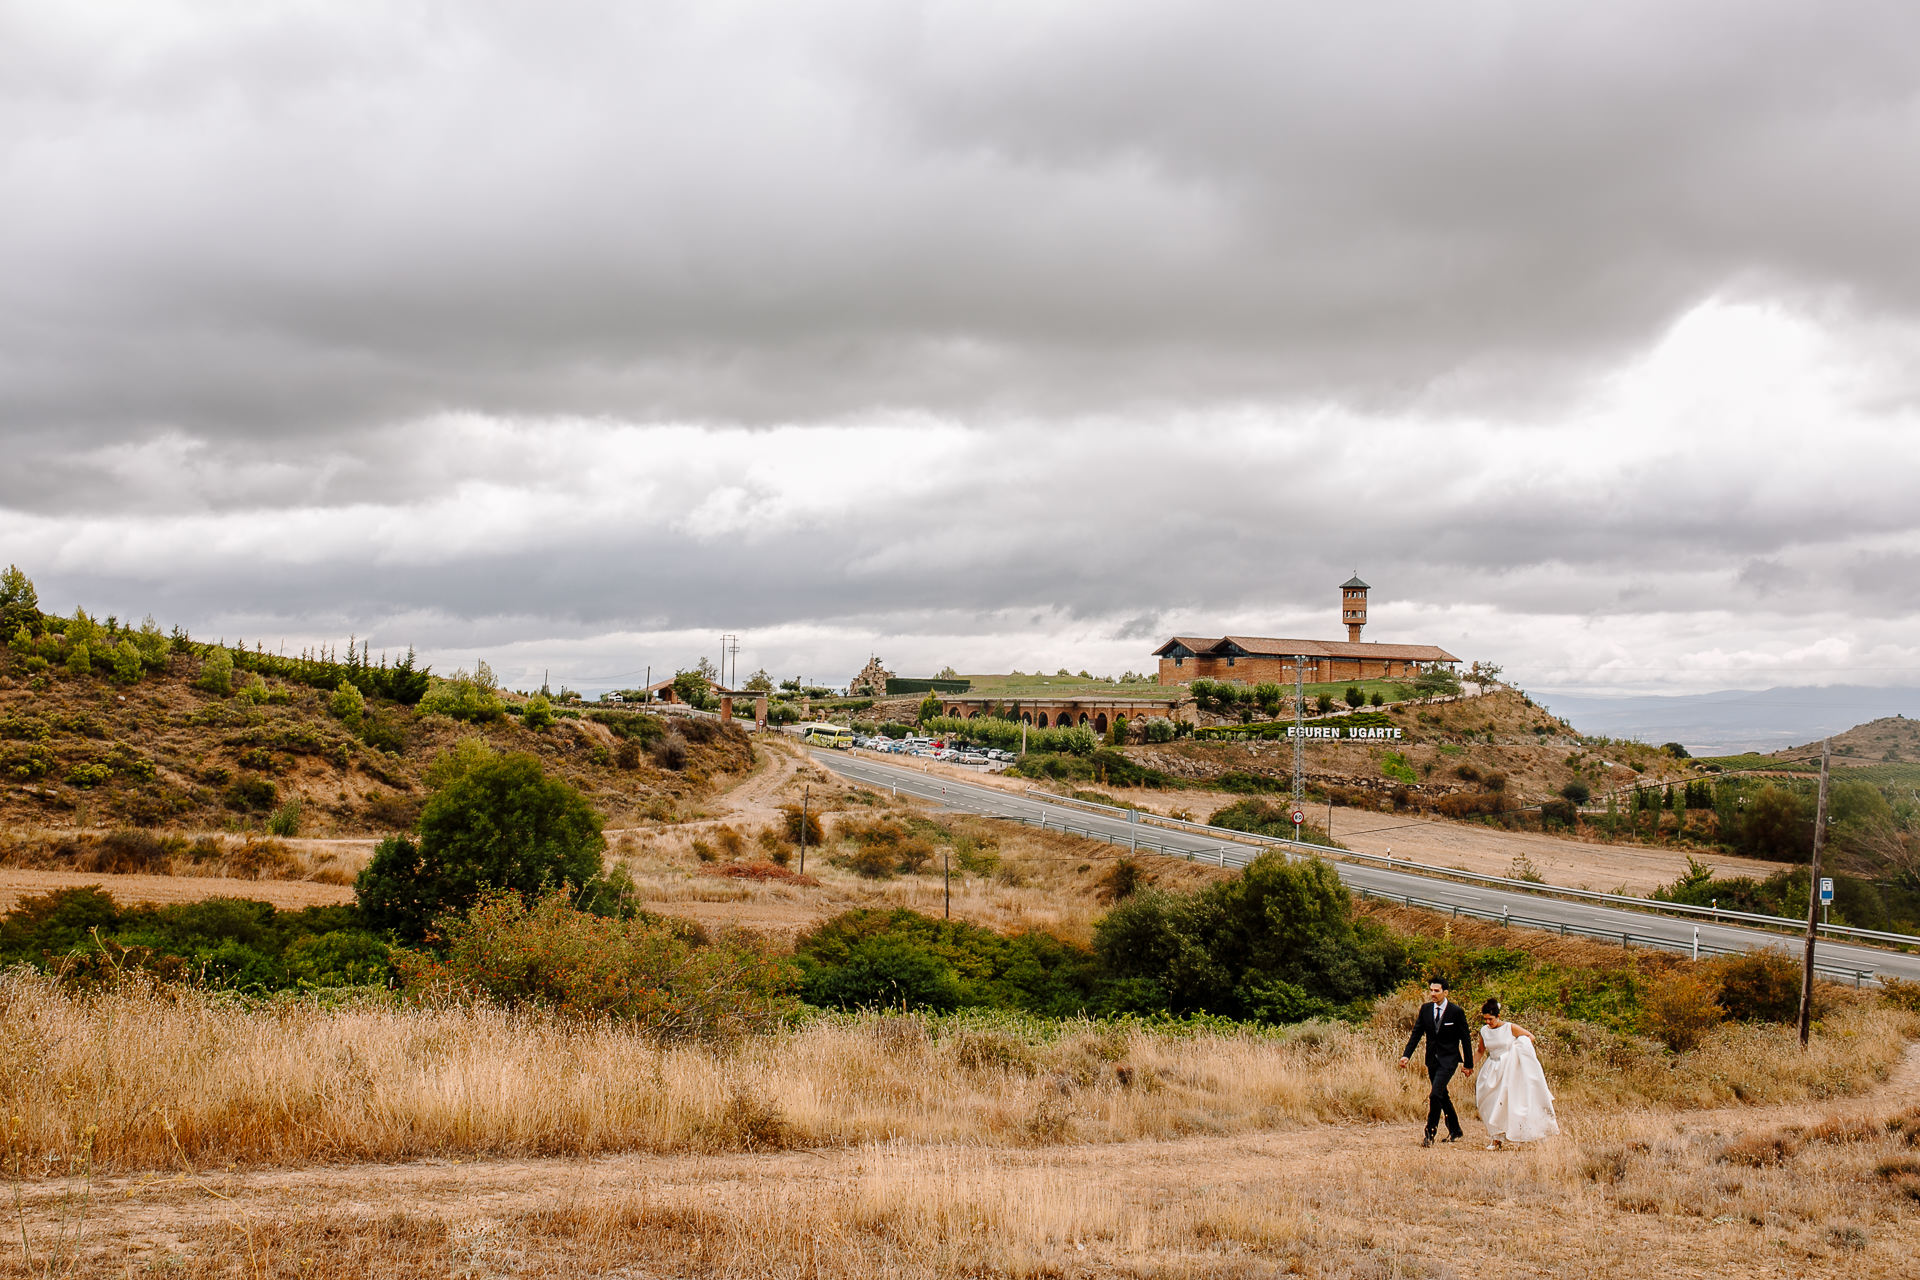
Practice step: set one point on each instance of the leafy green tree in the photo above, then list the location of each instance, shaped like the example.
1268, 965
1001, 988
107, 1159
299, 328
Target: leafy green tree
1268, 694
22, 641
79, 660
499, 824
19, 602
1435, 681
1117, 732
693, 687
759, 682
1778, 826
930, 708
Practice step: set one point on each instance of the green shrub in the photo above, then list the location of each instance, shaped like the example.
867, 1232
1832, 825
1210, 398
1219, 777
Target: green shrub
343, 958
495, 822
656, 973
253, 793
1355, 698
1378, 699
216, 672
285, 821
1323, 704
1576, 792
79, 661
88, 775
463, 698
1158, 731
1759, 986
1279, 941
539, 713
348, 704
126, 663
890, 959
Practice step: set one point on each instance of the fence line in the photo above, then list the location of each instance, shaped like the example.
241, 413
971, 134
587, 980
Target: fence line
1714, 914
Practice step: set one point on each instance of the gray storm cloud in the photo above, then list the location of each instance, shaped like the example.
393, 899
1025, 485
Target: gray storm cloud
547, 323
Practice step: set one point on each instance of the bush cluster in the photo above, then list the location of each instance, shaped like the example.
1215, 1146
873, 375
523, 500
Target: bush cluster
228, 943
661, 974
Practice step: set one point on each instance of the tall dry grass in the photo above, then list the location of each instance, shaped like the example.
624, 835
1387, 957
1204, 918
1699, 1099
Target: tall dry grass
155, 1078
1618, 1196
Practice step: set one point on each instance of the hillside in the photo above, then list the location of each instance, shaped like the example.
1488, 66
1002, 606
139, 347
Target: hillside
1500, 743
1888, 740
148, 748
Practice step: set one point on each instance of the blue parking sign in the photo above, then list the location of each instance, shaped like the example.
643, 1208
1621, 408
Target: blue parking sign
1826, 889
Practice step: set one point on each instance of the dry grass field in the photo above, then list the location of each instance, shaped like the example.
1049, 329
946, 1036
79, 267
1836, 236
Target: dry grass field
155, 1133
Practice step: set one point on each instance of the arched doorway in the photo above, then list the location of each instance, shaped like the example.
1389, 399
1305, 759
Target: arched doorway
1083, 719
1026, 717
1043, 719
1100, 723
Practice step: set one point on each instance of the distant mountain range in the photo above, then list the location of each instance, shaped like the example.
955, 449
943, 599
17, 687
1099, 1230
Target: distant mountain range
1732, 720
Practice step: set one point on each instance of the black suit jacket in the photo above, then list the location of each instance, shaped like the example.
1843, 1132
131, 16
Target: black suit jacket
1450, 1039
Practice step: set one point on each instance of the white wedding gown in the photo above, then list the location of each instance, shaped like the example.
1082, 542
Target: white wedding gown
1511, 1090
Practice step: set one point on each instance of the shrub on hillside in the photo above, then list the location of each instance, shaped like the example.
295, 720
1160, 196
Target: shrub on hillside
347, 704
79, 660
1576, 792
659, 974
538, 714
216, 672
497, 822
1279, 942
1354, 698
1759, 986
891, 959
1679, 1010
466, 698
1158, 731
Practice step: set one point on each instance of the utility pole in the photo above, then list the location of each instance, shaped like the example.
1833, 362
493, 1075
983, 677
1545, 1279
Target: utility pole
1813, 895
1299, 737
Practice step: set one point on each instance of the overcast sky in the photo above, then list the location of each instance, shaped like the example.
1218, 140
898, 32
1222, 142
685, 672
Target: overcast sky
571, 335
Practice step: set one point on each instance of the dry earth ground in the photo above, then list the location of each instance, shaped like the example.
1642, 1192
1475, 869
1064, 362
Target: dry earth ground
1697, 1194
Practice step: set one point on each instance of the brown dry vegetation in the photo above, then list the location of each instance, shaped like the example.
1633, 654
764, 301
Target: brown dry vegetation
923, 1148
198, 745
1502, 732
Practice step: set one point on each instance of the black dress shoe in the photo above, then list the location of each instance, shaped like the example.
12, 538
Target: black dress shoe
1452, 1137
1427, 1141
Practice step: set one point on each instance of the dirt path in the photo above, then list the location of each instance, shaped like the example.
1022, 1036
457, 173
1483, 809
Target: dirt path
294, 894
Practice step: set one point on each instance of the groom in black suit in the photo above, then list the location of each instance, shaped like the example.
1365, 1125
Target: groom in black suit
1449, 1043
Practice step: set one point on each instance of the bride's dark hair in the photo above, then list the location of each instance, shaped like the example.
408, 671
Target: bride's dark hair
1492, 1007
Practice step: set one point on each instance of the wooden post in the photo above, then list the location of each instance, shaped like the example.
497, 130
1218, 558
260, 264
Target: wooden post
1813, 896
946, 867
806, 794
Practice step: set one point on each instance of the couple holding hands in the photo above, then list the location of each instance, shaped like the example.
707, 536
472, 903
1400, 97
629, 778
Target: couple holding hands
1511, 1093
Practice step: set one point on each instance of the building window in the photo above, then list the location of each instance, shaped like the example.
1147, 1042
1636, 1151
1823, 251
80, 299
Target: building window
1179, 662
1229, 659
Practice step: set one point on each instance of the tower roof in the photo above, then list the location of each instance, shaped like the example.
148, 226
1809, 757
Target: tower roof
1354, 582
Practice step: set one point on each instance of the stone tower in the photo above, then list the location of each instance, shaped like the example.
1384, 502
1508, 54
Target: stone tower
1353, 606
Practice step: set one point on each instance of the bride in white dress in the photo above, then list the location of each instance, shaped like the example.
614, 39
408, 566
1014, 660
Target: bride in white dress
1511, 1090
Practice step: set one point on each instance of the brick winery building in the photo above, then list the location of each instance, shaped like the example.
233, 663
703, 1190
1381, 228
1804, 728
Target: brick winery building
1253, 659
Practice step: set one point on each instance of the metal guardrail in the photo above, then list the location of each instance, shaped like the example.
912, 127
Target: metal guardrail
1625, 938
1713, 914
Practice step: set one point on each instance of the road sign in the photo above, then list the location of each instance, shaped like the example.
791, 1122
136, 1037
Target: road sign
1826, 889
1298, 817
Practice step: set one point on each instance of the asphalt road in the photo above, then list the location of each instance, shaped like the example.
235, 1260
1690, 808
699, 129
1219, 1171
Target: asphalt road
1840, 961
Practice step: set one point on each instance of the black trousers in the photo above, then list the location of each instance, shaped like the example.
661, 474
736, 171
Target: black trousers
1440, 1072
